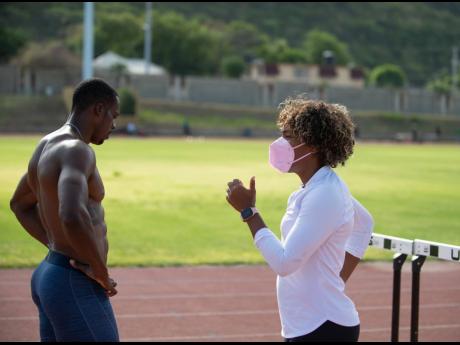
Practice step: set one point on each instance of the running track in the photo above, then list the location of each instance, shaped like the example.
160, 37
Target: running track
239, 304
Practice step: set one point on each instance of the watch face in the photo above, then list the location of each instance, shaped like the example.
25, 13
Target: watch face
247, 212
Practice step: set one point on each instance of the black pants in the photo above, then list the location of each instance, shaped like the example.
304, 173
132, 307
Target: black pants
329, 331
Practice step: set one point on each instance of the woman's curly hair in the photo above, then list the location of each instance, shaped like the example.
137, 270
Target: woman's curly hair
327, 127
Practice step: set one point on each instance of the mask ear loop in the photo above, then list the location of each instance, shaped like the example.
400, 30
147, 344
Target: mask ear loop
308, 154
301, 144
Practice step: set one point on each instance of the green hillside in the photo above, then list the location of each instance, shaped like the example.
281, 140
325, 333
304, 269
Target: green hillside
417, 36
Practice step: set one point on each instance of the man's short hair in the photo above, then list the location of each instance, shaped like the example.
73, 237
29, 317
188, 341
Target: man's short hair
92, 91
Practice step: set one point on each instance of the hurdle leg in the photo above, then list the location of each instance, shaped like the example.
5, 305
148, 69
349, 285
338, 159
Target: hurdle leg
417, 263
398, 262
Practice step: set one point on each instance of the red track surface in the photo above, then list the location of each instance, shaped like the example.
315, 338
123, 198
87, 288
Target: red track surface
239, 303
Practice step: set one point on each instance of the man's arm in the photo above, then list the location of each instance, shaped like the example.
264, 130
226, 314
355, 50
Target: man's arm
24, 206
77, 166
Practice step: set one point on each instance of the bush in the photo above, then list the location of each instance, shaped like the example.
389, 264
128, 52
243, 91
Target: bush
127, 102
233, 66
387, 75
317, 41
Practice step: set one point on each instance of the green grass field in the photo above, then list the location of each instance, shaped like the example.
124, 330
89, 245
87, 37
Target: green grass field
165, 198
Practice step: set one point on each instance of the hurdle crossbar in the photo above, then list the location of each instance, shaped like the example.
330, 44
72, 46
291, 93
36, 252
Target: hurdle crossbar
419, 249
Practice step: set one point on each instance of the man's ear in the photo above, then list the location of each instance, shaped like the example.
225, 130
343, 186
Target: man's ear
99, 109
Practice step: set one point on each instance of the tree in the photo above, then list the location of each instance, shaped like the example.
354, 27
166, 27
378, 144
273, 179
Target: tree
52, 54
120, 33
293, 55
119, 70
127, 102
184, 46
387, 75
233, 66
317, 41
243, 39
272, 51
442, 84
11, 41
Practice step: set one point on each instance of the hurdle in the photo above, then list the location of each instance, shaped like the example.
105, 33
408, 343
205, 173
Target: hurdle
420, 250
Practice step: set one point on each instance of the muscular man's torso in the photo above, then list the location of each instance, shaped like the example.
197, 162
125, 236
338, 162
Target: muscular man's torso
43, 176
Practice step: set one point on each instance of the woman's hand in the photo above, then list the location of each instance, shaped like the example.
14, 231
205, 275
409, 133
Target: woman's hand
240, 197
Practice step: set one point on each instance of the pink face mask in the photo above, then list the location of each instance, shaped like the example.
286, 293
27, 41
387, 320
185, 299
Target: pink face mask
281, 154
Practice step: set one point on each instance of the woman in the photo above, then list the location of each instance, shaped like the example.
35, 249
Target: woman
325, 231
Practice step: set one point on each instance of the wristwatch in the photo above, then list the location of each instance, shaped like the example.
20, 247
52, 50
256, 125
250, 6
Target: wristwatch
248, 213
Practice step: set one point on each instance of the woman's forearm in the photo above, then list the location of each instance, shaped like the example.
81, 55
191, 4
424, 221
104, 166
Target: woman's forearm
256, 223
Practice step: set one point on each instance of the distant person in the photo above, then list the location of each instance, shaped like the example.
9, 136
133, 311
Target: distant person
438, 133
325, 231
357, 132
131, 128
186, 130
58, 201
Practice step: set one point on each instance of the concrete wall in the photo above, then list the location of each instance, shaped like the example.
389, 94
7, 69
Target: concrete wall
235, 92
364, 99
283, 90
422, 101
54, 80
9, 79
155, 87
227, 91
454, 105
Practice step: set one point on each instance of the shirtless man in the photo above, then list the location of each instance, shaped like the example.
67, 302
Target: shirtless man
58, 202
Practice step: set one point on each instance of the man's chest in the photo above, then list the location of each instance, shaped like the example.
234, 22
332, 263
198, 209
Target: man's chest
96, 187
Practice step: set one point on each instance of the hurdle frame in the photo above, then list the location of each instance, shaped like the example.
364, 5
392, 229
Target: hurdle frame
420, 250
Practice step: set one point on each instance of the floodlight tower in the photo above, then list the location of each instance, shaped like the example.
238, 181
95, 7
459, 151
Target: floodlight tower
148, 36
454, 69
88, 40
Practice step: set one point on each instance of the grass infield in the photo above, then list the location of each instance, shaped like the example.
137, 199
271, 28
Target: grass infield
165, 198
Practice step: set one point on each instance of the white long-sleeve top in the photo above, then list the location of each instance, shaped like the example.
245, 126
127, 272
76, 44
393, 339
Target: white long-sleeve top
321, 222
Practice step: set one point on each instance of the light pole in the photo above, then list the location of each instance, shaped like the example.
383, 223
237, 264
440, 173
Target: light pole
454, 69
148, 36
88, 40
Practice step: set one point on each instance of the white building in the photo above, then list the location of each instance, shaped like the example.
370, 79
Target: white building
107, 60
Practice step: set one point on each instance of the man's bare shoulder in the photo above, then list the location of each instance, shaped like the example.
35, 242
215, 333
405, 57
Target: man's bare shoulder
76, 154
69, 151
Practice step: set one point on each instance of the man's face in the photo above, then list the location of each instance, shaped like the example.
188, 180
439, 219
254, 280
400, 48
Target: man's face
106, 115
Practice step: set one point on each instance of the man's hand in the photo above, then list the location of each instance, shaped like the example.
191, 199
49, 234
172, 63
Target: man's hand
102, 279
240, 197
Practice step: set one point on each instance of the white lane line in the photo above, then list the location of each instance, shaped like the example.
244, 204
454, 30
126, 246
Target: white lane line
207, 337
426, 306
390, 289
227, 313
407, 328
165, 315
172, 296
160, 281
263, 335
230, 295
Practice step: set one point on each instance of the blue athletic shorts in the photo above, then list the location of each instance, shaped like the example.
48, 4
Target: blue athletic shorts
71, 306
